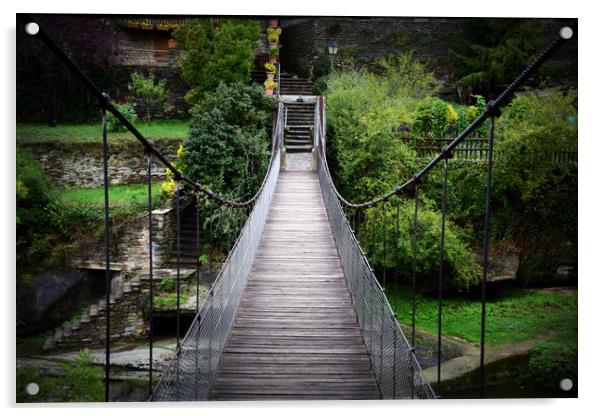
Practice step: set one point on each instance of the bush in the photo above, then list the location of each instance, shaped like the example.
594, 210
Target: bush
214, 56
128, 112
31, 374
34, 196
406, 76
551, 361
80, 381
430, 119
367, 114
321, 66
83, 381
365, 125
460, 267
228, 148
150, 92
539, 194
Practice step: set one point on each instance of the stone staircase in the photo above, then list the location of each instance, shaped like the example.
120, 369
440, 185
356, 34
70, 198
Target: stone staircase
291, 84
298, 130
130, 284
188, 252
88, 328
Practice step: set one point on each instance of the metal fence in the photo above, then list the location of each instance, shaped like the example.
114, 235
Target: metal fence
397, 371
190, 373
476, 149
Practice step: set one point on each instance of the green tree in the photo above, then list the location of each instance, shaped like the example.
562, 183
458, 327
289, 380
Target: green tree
406, 76
229, 146
367, 114
539, 194
215, 55
149, 91
365, 124
461, 271
494, 51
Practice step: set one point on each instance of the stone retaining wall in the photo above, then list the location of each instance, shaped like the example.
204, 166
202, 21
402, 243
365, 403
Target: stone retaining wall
80, 164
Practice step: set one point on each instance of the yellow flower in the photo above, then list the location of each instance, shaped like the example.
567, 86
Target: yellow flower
471, 112
180, 151
452, 116
168, 189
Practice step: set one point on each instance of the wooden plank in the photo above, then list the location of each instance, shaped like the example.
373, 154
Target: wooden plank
296, 334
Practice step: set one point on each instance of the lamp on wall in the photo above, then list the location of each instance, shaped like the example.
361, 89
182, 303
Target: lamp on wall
333, 48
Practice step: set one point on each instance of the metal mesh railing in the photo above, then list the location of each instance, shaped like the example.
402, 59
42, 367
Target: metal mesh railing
190, 373
397, 371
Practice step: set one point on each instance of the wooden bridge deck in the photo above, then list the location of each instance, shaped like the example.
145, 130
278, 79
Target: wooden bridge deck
296, 334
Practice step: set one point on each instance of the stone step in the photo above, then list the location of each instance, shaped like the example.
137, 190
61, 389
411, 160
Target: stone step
85, 318
298, 127
292, 119
297, 142
298, 148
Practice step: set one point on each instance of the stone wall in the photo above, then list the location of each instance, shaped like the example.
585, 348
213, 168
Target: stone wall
430, 39
130, 286
80, 164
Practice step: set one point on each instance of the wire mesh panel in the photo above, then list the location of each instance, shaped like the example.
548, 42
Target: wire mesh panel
189, 375
397, 371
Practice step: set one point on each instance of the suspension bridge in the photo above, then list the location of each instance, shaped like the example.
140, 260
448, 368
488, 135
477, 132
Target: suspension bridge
296, 311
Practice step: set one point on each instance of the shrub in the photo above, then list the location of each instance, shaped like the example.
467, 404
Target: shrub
274, 52
80, 381
366, 115
540, 194
406, 76
31, 374
83, 381
214, 56
34, 195
321, 66
128, 112
460, 267
150, 92
167, 285
430, 119
551, 361
229, 147
365, 124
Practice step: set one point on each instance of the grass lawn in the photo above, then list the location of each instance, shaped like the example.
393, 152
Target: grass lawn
82, 133
514, 315
120, 196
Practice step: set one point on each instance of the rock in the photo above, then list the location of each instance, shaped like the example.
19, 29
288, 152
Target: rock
45, 291
49, 343
58, 334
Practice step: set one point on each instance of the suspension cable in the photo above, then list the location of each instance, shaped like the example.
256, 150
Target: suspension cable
105, 103
492, 109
